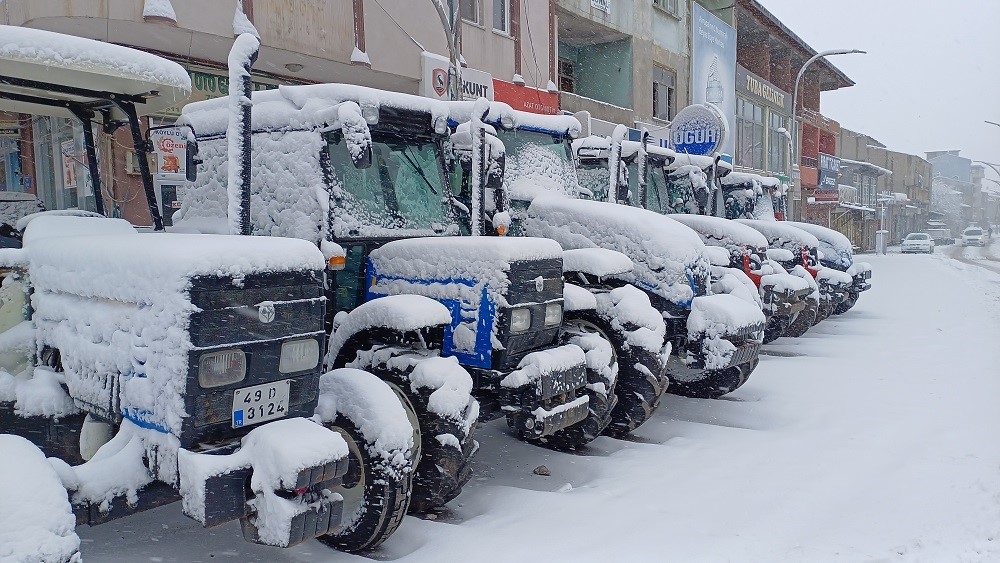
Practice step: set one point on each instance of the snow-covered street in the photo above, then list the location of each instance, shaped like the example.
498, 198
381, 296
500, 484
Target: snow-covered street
872, 438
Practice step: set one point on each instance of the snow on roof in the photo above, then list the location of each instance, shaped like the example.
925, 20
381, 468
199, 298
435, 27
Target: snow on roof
66, 60
848, 163
304, 107
714, 230
781, 234
740, 178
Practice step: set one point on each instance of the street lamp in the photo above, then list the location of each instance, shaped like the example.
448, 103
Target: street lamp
797, 145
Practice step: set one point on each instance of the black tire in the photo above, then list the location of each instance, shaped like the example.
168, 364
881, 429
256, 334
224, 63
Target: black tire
847, 304
587, 332
716, 383
805, 319
776, 327
445, 463
642, 379
376, 492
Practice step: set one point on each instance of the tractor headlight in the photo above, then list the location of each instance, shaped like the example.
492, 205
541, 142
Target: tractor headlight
520, 320
440, 125
224, 367
298, 355
370, 113
553, 314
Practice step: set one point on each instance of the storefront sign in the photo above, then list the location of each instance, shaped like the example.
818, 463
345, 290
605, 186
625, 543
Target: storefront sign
761, 91
829, 172
713, 65
207, 86
434, 79
602, 5
68, 150
170, 148
698, 129
10, 132
524, 98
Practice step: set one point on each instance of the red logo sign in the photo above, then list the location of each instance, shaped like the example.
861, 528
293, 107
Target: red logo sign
526, 99
167, 145
439, 80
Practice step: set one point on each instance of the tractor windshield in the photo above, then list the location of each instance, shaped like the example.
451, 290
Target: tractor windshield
403, 189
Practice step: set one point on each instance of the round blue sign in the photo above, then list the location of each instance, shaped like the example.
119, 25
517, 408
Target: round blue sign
698, 129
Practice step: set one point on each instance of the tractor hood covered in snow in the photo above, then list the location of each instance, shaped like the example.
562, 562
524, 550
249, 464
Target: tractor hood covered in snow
717, 231
838, 252
780, 234
666, 254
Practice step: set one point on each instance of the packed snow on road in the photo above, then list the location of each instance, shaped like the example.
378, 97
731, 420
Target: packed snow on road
872, 438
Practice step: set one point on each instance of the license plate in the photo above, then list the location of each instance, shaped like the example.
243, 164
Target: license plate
260, 403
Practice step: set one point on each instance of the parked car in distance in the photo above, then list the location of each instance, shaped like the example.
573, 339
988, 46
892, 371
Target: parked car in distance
917, 242
973, 236
941, 236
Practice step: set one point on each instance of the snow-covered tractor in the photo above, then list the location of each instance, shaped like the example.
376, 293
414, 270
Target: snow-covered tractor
378, 195
798, 251
783, 296
837, 252
161, 367
715, 339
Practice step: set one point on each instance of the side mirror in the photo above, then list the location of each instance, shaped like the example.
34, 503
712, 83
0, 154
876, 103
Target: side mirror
191, 161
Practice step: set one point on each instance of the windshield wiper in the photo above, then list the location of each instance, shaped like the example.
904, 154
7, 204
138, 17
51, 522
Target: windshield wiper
418, 170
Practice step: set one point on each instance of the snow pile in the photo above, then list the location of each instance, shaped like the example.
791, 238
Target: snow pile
717, 256
731, 281
59, 51
276, 452
241, 23
800, 272
374, 407
398, 312
783, 282
663, 251
36, 520
598, 353
538, 365
38, 391
834, 277
630, 312
158, 9
600, 262
713, 318
14, 206
287, 193
576, 298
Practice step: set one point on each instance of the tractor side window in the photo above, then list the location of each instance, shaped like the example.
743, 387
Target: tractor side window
17, 345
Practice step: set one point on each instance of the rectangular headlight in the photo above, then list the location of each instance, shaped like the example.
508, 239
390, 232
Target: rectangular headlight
225, 367
553, 314
520, 320
298, 355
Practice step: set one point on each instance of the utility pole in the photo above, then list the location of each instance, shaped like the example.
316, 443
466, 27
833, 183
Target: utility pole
451, 22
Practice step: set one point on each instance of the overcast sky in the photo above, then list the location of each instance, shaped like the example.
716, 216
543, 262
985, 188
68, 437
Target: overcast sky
931, 75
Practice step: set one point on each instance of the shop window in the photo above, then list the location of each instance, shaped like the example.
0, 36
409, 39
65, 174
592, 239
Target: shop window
664, 85
777, 153
472, 11
749, 134
567, 76
501, 16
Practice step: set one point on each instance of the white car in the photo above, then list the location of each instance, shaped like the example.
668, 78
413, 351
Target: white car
918, 242
973, 236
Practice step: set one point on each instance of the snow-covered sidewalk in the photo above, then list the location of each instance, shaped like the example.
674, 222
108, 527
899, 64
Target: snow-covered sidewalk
872, 438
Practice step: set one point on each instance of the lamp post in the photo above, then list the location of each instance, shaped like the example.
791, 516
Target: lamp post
797, 144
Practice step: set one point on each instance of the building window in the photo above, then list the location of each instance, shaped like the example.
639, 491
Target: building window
501, 16
471, 10
567, 76
664, 85
669, 6
749, 134
777, 154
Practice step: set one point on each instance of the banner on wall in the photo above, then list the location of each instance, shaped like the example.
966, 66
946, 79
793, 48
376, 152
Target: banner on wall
713, 66
525, 98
